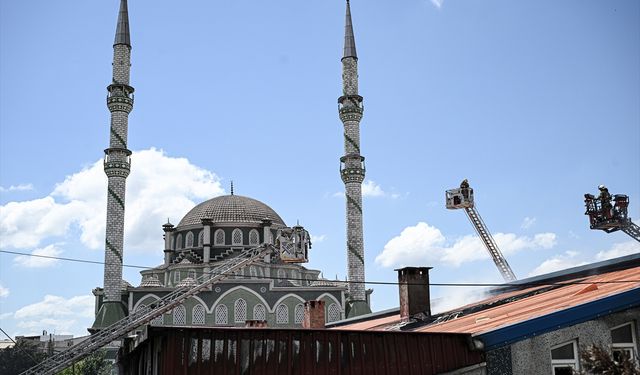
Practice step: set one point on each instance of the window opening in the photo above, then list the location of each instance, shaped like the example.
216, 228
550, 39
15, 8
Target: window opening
189, 240
237, 237
259, 312
333, 313
221, 315
623, 340
240, 311
179, 315
253, 237
282, 314
219, 237
564, 358
298, 314
197, 315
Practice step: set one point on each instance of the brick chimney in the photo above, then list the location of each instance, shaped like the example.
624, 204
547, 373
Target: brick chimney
414, 292
255, 323
313, 314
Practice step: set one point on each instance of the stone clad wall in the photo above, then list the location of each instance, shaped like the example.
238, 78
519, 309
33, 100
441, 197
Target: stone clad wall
533, 356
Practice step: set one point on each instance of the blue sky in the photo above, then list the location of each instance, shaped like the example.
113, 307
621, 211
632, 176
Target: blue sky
535, 102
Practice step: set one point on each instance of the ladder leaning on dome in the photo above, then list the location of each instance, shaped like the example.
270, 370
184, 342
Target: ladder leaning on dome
146, 314
463, 198
610, 217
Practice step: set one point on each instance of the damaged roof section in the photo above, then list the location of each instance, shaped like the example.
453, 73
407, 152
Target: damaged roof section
527, 307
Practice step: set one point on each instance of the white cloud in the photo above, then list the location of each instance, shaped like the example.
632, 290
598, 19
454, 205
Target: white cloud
57, 314
318, 239
370, 189
4, 292
38, 262
423, 243
618, 250
570, 258
437, 3
21, 187
528, 222
557, 263
159, 187
6, 315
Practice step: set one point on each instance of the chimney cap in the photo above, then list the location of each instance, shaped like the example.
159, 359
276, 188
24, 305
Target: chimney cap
413, 269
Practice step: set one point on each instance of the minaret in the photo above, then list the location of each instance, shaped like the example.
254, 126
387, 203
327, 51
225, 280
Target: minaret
352, 170
116, 166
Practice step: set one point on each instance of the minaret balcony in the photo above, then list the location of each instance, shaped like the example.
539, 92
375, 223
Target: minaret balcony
350, 107
120, 98
117, 162
352, 168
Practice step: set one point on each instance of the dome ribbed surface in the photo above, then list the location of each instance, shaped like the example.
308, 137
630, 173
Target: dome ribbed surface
231, 208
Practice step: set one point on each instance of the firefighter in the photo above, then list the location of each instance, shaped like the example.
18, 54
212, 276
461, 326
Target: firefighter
605, 201
464, 189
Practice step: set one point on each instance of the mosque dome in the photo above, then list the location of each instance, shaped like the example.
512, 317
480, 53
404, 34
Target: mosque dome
231, 209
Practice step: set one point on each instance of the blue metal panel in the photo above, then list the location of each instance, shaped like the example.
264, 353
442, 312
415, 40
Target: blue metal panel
560, 319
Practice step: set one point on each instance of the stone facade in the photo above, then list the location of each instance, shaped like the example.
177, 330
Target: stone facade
533, 356
117, 167
352, 166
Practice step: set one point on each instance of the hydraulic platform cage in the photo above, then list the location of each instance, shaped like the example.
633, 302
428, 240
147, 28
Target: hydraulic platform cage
459, 198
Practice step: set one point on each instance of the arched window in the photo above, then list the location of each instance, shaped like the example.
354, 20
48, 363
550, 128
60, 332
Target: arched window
282, 314
179, 316
334, 313
179, 242
298, 315
259, 312
236, 237
219, 238
221, 315
197, 315
252, 272
254, 238
294, 277
157, 321
176, 276
189, 240
192, 274
201, 238
240, 311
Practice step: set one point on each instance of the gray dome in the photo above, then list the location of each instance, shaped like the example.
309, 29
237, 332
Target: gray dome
231, 208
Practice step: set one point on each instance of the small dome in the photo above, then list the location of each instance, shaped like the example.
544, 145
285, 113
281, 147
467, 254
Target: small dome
150, 282
189, 281
231, 208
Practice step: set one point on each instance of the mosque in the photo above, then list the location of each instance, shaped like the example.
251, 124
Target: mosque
272, 289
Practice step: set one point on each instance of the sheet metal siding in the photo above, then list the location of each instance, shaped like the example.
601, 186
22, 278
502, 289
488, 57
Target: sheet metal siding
211, 351
561, 319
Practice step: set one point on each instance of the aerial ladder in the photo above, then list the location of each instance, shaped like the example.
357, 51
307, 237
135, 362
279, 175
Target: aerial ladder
462, 197
603, 215
146, 314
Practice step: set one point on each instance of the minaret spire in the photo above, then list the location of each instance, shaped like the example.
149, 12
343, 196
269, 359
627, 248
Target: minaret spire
122, 29
349, 38
117, 165
352, 171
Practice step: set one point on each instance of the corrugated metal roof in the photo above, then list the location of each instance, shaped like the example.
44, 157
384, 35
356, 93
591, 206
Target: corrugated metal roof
537, 305
514, 307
